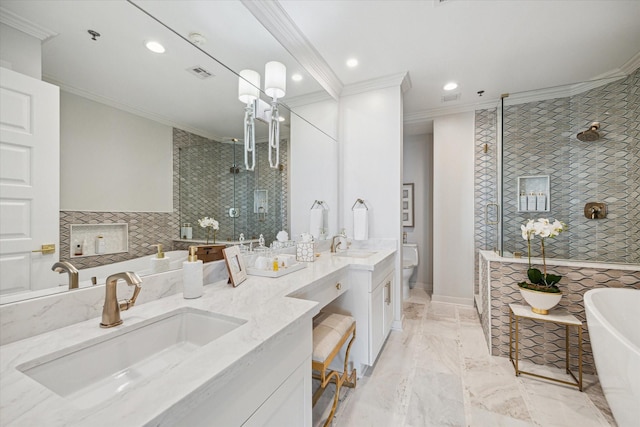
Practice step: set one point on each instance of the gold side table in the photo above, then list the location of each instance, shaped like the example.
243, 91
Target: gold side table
560, 317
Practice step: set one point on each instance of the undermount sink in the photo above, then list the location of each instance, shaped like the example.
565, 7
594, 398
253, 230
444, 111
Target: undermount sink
99, 371
354, 254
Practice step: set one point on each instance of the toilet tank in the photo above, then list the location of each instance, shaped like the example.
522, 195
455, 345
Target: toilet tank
410, 254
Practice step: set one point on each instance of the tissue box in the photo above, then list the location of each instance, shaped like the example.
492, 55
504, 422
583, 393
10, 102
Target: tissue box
306, 251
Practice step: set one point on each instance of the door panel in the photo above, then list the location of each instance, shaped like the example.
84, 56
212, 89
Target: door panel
29, 181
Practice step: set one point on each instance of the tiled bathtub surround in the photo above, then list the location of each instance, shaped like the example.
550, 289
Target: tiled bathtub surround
539, 139
542, 342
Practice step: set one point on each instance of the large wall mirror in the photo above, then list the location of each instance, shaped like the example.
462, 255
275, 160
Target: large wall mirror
126, 113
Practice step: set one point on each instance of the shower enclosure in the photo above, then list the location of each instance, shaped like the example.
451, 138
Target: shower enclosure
532, 139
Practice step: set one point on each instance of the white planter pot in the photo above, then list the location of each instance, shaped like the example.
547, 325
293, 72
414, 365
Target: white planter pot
540, 302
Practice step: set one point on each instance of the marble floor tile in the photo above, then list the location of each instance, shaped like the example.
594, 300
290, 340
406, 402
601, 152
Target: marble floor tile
436, 400
438, 371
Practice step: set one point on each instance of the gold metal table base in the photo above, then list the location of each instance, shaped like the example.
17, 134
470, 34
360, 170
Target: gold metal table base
570, 321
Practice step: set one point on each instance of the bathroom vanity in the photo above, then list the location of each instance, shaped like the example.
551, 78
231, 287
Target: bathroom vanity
253, 369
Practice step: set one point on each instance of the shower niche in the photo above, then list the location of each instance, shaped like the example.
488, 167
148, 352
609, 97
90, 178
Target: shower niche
533, 193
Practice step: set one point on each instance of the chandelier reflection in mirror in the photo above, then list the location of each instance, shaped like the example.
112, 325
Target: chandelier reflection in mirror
275, 80
248, 92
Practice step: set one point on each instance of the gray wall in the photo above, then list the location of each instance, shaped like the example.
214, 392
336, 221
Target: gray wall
418, 169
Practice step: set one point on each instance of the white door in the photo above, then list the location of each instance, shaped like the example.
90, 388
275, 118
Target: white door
29, 181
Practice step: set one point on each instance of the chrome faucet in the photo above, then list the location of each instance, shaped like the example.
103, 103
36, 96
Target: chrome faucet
67, 267
333, 242
112, 307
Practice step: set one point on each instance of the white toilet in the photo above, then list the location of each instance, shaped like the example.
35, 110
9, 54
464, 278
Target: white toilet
409, 263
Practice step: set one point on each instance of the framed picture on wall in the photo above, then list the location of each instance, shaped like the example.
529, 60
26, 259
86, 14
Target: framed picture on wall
407, 205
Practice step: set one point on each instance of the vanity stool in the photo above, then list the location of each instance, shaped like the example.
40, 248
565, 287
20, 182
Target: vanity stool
330, 332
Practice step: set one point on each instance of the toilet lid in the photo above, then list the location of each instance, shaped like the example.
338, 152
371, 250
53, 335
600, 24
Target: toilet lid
407, 264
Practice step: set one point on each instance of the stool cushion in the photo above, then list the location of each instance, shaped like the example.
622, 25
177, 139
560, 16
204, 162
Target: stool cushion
328, 329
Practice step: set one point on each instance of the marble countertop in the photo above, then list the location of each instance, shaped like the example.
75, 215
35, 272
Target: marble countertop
262, 302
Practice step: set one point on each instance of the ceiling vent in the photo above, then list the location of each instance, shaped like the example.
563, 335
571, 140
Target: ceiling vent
451, 97
200, 72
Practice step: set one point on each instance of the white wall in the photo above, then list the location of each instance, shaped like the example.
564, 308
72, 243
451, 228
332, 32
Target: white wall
314, 164
418, 169
371, 159
111, 160
453, 233
371, 167
20, 52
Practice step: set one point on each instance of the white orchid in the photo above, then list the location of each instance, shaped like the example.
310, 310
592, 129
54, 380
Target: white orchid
209, 222
542, 228
527, 230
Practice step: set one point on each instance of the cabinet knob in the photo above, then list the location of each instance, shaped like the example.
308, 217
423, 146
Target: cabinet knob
338, 286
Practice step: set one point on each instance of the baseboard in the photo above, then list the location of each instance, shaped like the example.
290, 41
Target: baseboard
452, 300
428, 287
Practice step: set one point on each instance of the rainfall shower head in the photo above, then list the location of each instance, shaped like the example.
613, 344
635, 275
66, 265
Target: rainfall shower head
591, 134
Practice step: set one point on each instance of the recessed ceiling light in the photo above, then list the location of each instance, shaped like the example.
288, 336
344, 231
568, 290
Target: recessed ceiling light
154, 47
450, 86
353, 62
296, 77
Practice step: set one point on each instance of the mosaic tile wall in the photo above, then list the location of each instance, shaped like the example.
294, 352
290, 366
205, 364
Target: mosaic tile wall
145, 229
485, 182
213, 189
543, 342
209, 163
539, 139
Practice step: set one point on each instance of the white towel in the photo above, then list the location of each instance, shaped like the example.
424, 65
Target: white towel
316, 223
360, 224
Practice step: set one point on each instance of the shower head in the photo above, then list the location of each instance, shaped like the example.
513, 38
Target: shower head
591, 134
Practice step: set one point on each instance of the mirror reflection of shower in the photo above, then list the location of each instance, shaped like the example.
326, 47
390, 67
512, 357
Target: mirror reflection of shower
261, 204
590, 134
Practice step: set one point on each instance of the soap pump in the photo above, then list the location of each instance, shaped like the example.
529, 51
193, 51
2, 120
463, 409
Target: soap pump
159, 263
192, 280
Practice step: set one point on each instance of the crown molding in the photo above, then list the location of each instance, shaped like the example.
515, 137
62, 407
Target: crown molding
430, 114
564, 91
130, 109
310, 98
275, 19
31, 28
394, 80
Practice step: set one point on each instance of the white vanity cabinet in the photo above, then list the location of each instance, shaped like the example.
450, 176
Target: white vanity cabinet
381, 309
370, 302
271, 388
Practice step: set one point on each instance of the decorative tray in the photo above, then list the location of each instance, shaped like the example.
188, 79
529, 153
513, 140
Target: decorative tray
252, 271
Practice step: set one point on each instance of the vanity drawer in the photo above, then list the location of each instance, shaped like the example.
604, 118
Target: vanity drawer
324, 291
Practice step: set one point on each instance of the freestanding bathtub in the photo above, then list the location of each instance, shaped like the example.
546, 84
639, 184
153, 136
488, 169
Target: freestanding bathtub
613, 319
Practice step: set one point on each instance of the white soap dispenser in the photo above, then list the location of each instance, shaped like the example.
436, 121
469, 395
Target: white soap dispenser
192, 280
159, 262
